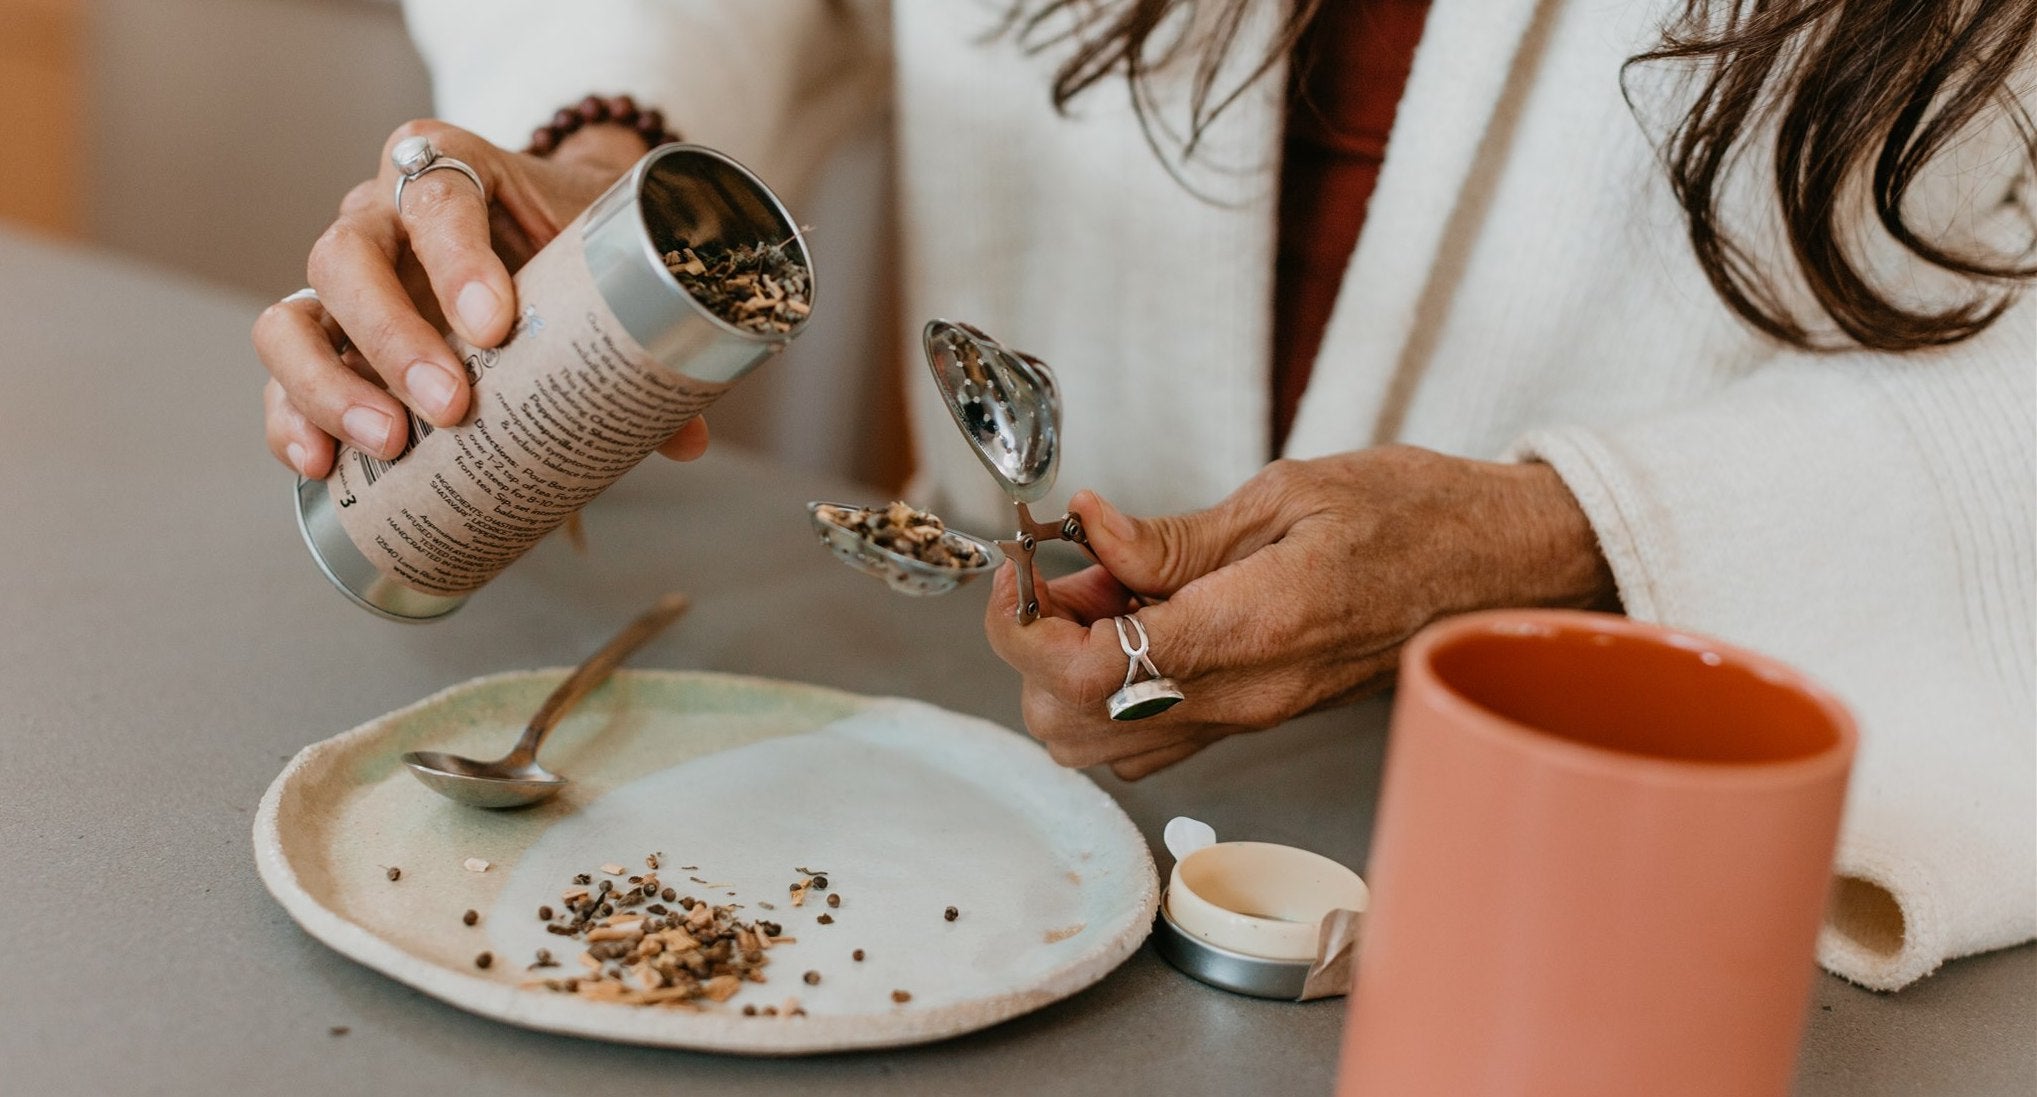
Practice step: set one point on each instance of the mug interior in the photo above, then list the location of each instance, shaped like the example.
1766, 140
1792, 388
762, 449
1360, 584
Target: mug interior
1626, 687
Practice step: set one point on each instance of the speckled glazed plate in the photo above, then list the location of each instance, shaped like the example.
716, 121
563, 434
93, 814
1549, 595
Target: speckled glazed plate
908, 808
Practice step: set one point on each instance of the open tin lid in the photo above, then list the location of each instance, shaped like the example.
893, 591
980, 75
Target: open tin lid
1004, 402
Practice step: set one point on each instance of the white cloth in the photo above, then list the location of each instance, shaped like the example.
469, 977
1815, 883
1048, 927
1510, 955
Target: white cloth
1523, 287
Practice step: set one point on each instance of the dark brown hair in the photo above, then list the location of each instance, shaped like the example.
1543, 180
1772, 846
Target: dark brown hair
1862, 94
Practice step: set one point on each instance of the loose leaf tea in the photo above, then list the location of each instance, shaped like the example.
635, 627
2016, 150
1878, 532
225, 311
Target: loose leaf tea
908, 531
757, 287
642, 952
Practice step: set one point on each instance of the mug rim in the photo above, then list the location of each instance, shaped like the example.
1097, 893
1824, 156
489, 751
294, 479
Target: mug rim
1418, 670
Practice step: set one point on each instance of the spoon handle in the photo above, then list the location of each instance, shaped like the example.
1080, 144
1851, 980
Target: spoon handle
595, 671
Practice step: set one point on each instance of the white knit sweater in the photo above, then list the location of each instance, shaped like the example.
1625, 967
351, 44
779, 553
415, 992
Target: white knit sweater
1522, 287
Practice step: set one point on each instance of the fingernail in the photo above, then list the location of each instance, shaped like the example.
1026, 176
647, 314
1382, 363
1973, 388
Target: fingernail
1114, 519
299, 460
430, 386
476, 306
368, 427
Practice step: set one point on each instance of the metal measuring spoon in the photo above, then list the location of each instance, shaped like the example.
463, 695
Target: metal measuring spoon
516, 779
902, 572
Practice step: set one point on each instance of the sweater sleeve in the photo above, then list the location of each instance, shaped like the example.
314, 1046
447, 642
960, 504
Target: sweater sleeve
1870, 519
769, 82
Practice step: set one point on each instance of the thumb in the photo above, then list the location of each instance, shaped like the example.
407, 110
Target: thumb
1160, 555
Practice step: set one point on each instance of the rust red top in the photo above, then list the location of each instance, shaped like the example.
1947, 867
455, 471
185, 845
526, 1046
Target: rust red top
1350, 67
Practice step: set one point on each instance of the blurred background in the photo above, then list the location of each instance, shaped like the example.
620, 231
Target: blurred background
214, 139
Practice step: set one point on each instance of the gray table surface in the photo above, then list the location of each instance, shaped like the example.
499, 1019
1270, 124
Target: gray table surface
165, 645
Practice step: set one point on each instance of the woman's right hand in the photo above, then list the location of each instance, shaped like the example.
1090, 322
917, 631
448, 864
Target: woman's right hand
388, 279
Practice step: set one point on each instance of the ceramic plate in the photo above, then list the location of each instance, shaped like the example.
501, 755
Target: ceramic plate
908, 808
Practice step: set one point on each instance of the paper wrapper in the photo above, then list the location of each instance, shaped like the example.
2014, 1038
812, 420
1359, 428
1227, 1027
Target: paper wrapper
563, 408
1336, 955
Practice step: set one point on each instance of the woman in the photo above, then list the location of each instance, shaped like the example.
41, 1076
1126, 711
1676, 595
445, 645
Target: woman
1708, 313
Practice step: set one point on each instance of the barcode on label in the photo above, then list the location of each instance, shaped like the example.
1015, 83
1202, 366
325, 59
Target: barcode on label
372, 468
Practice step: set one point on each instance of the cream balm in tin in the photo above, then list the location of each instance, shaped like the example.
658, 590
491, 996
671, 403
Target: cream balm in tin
610, 355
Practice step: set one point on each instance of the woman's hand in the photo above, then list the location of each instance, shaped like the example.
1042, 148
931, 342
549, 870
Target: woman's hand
389, 279
1293, 594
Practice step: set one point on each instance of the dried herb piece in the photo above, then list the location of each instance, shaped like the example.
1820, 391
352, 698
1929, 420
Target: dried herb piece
394, 874
757, 287
483, 960
901, 996
826, 919
951, 914
544, 914
835, 900
812, 978
342, 1030
470, 917
857, 955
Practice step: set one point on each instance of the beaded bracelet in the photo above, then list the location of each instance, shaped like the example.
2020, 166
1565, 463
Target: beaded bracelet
622, 110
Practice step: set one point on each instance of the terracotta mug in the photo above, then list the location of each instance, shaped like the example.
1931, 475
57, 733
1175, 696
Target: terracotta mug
1600, 864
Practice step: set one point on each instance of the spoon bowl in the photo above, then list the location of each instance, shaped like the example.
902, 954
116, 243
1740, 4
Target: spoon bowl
516, 779
483, 784
1006, 404
903, 573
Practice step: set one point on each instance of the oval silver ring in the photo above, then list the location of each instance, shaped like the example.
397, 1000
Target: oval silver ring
414, 156
1140, 698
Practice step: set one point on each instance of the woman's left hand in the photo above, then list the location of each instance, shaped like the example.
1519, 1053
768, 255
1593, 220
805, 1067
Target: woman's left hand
1293, 594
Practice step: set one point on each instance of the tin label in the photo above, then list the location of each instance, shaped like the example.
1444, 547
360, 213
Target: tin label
563, 408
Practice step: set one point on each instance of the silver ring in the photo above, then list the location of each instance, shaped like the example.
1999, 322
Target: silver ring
414, 156
305, 294
1141, 698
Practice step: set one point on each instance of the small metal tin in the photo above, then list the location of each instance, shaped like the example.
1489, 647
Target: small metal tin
1222, 968
683, 191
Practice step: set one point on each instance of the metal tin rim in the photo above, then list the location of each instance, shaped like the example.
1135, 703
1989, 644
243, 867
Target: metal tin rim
318, 556
1225, 969
656, 259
